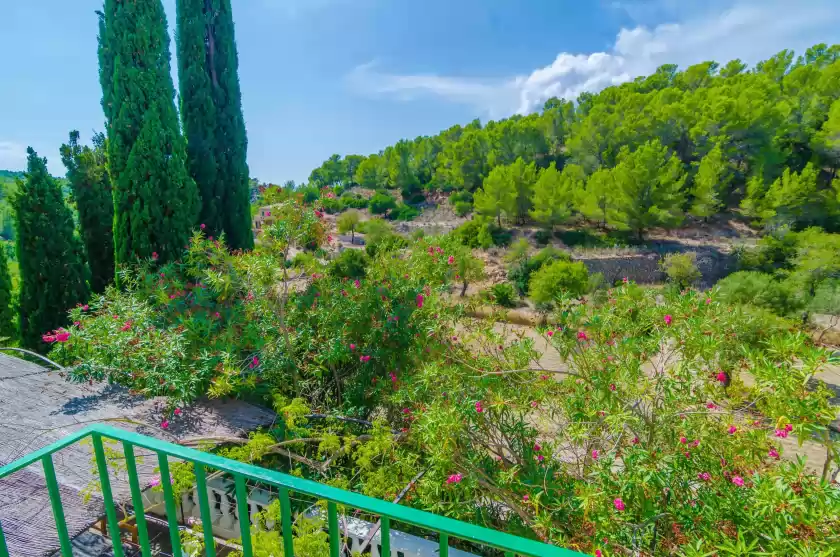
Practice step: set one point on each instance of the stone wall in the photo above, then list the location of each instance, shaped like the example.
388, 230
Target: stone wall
643, 268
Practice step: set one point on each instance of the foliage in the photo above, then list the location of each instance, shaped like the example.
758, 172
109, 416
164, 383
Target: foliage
794, 199
504, 294
481, 233
53, 274
681, 269
7, 302
712, 179
91, 186
403, 212
353, 201
554, 194
155, 200
558, 279
521, 268
350, 263
381, 238
349, 222
507, 190
463, 208
381, 203
760, 289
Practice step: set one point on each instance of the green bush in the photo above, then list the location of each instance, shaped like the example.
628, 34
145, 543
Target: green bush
354, 201
772, 253
310, 194
558, 279
461, 197
463, 208
681, 269
404, 212
542, 237
481, 233
381, 203
593, 239
332, 205
417, 234
760, 289
385, 243
826, 298
522, 268
468, 234
504, 294
306, 262
351, 263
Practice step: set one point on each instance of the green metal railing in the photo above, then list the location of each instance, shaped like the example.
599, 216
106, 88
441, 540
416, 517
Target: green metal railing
389, 512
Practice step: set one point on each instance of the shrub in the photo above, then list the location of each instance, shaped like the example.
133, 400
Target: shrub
349, 222
310, 194
403, 212
332, 205
306, 262
351, 263
523, 267
461, 197
468, 233
381, 203
384, 244
760, 289
417, 234
354, 201
504, 294
542, 237
463, 208
558, 279
481, 233
681, 269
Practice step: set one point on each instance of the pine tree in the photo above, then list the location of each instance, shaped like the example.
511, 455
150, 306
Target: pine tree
711, 180
597, 201
649, 188
53, 276
523, 177
88, 177
7, 310
553, 194
497, 196
211, 110
155, 199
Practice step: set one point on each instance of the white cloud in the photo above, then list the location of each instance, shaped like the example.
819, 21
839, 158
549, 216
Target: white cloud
12, 155
751, 30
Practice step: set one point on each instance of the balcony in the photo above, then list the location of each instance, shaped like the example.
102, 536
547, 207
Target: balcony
219, 506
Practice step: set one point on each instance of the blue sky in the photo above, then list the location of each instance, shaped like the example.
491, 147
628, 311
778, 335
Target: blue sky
353, 76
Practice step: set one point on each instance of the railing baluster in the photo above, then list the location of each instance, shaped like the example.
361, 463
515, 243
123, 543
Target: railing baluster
385, 536
244, 515
169, 500
108, 499
4, 549
444, 545
57, 508
137, 499
204, 507
335, 533
286, 518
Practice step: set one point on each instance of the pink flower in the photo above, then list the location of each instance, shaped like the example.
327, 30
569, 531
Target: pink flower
352, 347
526, 498
154, 481
782, 433
732, 429
534, 404
708, 301
595, 455
154, 255
454, 479
668, 320
356, 283
420, 299
255, 361
582, 336
85, 307
126, 326
393, 377
48, 338
406, 410
364, 359
624, 280
696, 442
217, 315
329, 238
738, 480
544, 377
451, 260
478, 407
721, 376
177, 412
344, 293
540, 458
268, 213
683, 440
788, 427
705, 476
635, 441
537, 447
618, 503
164, 424
550, 333
612, 386
203, 226
598, 551
711, 405
773, 453
77, 323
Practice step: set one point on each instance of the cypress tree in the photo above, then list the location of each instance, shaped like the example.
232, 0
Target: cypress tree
7, 312
209, 69
88, 177
53, 276
155, 199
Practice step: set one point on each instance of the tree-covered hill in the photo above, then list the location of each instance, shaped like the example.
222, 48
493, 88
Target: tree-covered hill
712, 136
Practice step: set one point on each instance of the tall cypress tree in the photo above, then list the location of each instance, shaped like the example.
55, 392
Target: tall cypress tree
7, 312
209, 69
53, 276
88, 177
155, 199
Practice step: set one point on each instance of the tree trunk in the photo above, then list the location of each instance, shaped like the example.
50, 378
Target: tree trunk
464, 289
499, 218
